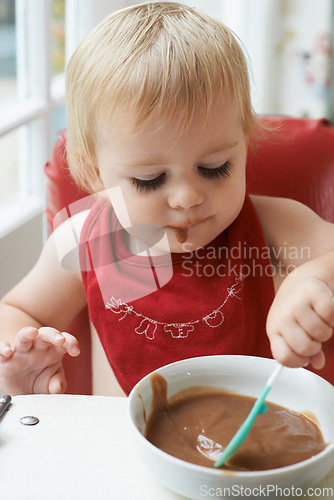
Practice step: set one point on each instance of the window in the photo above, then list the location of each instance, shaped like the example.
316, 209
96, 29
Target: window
36, 39
32, 61
7, 52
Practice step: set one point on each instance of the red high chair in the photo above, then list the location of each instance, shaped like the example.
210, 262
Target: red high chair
296, 161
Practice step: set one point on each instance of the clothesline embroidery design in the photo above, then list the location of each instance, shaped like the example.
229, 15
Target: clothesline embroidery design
148, 326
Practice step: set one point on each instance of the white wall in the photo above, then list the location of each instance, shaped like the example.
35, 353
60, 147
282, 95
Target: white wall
19, 250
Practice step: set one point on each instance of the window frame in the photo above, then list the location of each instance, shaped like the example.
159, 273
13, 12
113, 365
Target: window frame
22, 227
22, 223
33, 21
46, 92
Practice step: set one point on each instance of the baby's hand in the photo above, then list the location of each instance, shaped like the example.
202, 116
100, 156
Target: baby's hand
300, 319
34, 364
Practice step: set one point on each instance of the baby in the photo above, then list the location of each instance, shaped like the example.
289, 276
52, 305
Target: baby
159, 124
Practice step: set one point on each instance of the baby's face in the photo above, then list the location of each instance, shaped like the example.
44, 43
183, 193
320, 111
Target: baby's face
193, 182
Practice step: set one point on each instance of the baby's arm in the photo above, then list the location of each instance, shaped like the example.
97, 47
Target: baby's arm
301, 317
33, 317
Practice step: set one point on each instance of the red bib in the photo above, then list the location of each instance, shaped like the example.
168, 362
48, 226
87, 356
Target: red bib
151, 312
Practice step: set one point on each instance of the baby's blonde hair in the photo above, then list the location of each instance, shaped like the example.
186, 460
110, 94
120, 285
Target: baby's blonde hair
160, 61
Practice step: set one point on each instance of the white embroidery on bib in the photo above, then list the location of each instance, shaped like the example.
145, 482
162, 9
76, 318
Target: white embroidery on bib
148, 326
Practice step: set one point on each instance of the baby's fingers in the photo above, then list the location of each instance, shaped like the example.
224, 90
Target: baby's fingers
71, 344
324, 304
25, 339
6, 350
299, 342
318, 360
48, 335
57, 383
66, 341
283, 353
314, 325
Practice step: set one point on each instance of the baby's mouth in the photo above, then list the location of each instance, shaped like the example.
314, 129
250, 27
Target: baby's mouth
180, 233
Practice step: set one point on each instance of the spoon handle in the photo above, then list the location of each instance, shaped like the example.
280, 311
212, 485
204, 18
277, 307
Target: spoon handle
274, 375
259, 407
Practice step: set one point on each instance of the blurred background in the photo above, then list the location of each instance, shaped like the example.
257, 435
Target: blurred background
288, 43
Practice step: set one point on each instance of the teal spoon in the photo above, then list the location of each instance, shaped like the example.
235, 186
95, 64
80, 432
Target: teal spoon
259, 407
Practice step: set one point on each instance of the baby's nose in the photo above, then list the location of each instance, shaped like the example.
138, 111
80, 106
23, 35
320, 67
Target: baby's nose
186, 196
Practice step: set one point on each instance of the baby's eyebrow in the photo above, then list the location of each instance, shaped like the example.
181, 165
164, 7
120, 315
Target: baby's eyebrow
159, 161
145, 163
219, 149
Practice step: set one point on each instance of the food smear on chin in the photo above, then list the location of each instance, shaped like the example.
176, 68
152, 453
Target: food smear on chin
180, 233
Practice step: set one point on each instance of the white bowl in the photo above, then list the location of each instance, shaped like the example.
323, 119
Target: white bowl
297, 389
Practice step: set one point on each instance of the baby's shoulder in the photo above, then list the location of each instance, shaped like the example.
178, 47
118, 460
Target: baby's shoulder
272, 206
291, 223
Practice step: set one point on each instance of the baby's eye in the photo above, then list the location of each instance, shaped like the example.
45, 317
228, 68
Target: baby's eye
149, 184
214, 173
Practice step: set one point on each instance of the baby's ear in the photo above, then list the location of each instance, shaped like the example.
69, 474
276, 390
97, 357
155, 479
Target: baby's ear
84, 169
96, 185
